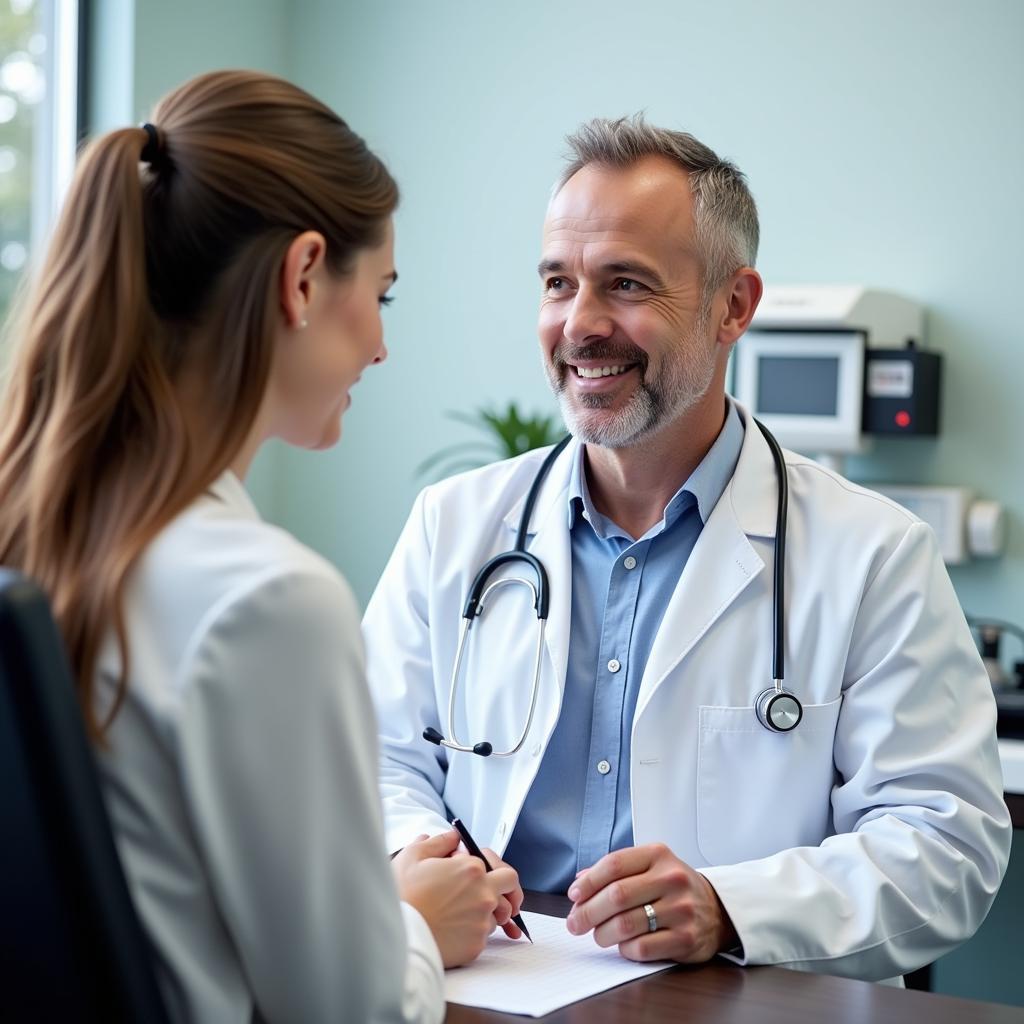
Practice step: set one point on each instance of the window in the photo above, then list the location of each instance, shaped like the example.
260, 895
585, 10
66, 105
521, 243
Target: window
39, 125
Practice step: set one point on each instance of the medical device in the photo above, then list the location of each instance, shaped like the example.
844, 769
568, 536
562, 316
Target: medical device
827, 368
776, 709
1008, 690
965, 525
824, 366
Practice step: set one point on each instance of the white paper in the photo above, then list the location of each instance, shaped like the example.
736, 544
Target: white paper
514, 976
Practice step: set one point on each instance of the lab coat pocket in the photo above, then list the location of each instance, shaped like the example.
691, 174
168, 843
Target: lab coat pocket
759, 792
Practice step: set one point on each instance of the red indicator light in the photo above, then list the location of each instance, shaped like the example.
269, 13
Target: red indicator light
903, 418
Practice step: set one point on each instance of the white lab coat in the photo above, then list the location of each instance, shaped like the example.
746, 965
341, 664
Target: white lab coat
241, 780
866, 843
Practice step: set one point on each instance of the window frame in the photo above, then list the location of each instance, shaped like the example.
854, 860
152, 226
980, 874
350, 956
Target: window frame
63, 115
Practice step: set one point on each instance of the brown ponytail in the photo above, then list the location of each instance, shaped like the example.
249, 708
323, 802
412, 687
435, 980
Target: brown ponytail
143, 351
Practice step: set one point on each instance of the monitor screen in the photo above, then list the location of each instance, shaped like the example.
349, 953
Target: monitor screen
798, 385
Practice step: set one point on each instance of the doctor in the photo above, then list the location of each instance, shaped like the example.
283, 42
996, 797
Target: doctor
866, 841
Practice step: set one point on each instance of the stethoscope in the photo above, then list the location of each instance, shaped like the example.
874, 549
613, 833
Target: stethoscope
776, 709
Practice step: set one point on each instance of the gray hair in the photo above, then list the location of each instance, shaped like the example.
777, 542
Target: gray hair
724, 210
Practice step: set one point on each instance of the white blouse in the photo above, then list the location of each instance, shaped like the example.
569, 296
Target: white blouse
241, 779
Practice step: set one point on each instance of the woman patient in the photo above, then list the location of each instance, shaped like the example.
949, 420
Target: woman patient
215, 281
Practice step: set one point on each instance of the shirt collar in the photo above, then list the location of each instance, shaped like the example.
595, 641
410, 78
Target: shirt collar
704, 486
230, 490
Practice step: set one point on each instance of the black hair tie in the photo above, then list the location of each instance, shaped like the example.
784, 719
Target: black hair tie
152, 152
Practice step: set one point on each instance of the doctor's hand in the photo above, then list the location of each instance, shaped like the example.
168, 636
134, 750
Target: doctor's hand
456, 896
609, 899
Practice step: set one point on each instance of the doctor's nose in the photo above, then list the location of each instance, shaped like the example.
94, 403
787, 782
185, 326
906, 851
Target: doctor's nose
587, 319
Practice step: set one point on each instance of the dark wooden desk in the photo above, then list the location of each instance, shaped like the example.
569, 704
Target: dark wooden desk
720, 993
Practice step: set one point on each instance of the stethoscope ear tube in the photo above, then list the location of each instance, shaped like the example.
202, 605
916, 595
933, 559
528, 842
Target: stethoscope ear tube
431, 735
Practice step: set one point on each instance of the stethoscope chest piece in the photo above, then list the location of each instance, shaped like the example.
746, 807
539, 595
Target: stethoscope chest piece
778, 710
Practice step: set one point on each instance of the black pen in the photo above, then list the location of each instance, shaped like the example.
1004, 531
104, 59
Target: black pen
475, 851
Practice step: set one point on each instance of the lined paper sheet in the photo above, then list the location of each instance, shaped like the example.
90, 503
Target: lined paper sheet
558, 969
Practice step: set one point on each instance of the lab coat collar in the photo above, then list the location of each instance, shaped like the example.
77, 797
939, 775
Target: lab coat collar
753, 491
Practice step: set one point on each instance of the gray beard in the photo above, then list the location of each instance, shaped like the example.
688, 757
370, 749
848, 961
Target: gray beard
685, 379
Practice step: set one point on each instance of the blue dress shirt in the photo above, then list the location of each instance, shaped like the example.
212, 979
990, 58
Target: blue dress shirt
579, 807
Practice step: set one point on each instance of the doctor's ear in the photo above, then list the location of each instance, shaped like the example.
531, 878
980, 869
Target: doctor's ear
304, 261
741, 293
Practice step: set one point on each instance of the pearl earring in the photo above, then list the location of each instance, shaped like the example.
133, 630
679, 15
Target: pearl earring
303, 323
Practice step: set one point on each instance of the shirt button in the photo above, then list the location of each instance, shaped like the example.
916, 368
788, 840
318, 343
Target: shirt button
536, 749
613, 665
603, 767
629, 562
501, 829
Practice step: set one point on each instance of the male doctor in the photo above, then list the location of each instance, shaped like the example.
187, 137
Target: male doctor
866, 841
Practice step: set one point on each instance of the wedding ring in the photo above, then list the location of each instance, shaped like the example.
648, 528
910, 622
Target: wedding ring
652, 918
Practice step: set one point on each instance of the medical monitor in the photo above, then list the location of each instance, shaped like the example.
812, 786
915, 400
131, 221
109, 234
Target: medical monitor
807, 387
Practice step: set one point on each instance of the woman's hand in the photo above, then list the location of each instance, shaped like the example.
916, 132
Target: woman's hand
509, 904
457, 897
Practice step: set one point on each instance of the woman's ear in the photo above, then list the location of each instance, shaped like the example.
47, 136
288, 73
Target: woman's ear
303, 260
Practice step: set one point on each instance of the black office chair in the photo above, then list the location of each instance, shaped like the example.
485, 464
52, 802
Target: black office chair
72, 947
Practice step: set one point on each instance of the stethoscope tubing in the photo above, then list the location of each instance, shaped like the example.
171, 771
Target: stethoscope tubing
779, 569
776, 709
467, 621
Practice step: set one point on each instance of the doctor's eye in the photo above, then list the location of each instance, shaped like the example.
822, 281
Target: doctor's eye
555, 284
628, 286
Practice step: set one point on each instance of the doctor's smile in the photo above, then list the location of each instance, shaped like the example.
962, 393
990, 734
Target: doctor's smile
600, 371
595, 365
600, 376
